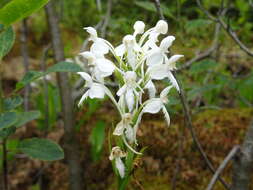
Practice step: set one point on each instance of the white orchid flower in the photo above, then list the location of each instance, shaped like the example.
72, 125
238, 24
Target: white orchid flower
161, 27
157, 55
130, 47
161, 71
117, 154
99, 46
125, 126
95, 90
154, 105
128, 90
100, 66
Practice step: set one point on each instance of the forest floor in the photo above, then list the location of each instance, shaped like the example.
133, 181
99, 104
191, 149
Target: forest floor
170, 152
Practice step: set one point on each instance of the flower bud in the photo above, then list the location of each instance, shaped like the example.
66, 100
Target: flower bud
139, 27
92, 31
161, 27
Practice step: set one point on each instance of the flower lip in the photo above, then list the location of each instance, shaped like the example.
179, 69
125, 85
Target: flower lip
130, 77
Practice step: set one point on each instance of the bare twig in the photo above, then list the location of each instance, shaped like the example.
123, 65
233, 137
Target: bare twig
159, 9
222, 166
106, 18
226, 27
99, 6
189, 125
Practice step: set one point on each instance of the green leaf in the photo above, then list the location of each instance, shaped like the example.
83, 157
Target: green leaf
97, 140
7, 38
65, 67
42, 149
19, 9
149, 6
59, 67
4, 133
7, 119
203, 66
25, 117
12, 103
29, 77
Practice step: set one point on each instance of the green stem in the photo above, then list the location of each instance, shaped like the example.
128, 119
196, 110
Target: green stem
1, 96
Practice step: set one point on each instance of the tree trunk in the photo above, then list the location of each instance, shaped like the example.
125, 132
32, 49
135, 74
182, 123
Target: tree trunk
71, 146
243, 162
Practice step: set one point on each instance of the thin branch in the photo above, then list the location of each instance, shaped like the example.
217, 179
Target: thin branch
106, 18
189, 125
226, 27
159, 9
222, 166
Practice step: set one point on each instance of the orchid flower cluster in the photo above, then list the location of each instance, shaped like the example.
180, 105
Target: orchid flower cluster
135, 64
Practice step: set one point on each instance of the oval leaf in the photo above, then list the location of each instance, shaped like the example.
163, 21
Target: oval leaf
42, 149
24, 117
7, 38
19, 9
7, 119
12, 103
65, 67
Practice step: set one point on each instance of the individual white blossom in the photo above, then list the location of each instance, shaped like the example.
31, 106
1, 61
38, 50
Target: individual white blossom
95, 90
117, 154
154, 105
99, 65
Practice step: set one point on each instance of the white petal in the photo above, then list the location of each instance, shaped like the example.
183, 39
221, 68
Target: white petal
85, 95
92, 31
99, 47
166, 115
151, 89
120, 167
173, 81
158, 72
155, 58
85, 76
171, 62
153, 106
122, 90
119, 129
129, 97
105, 65
130, 134
166, 43
96, 91
165, 92
120, 50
